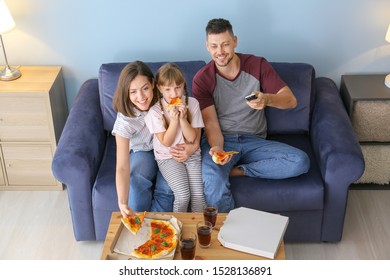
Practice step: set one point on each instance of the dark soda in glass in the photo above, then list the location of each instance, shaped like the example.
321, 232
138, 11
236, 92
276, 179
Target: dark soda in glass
210, 214
204, 235
187, 248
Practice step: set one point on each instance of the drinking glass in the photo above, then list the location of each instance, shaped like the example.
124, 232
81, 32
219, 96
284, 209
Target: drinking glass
210, 214
204, 230
187, 245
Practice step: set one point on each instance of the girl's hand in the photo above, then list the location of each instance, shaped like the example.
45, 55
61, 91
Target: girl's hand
174, 114
182, 110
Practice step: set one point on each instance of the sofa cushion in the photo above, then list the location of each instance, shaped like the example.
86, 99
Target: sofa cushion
108, 79
292, 194
300, 78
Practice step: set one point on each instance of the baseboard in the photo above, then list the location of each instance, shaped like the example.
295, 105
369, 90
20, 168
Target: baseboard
369, 187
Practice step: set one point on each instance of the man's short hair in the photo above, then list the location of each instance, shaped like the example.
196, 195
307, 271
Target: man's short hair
219, 25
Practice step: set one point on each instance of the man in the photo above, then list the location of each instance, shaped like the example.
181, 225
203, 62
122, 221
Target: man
234, 124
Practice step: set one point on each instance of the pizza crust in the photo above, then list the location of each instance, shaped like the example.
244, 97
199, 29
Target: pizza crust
161, 254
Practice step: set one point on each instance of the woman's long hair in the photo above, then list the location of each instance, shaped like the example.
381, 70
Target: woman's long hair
121, 101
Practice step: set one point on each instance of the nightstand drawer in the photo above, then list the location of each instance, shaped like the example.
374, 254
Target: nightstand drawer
28, 164
370, 120
2, 178
24, 118
367, 101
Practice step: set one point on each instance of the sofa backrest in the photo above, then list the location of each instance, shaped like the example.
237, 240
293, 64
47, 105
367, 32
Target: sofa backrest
298, 76
108, 79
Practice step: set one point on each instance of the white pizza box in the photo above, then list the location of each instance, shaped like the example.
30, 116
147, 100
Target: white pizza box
252, 231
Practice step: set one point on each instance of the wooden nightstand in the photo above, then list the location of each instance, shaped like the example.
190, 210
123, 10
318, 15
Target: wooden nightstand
33, 111
367, 100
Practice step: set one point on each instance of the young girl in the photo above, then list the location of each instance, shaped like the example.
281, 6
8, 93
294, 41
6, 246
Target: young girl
172, 125
134, 95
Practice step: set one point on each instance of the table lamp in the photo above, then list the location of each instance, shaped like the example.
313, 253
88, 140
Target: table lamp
6, 24
387, 79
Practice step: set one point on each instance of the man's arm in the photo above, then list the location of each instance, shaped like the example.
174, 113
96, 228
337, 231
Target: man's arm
212, 128
283, 99
213, 132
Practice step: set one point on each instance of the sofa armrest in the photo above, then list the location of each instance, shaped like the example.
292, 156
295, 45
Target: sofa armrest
338, 153
334, 141
78, 156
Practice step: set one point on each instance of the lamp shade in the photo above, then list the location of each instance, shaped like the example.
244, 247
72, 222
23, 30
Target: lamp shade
388, 34
6, 20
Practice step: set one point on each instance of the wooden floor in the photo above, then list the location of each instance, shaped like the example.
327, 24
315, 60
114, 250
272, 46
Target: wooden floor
37, 225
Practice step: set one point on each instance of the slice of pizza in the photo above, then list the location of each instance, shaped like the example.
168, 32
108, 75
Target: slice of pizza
174, 101
218, 157
134, 223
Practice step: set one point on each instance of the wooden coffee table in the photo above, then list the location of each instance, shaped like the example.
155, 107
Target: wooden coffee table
215, 252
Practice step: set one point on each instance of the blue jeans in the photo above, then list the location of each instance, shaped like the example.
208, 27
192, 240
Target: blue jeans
144, 194
257, 157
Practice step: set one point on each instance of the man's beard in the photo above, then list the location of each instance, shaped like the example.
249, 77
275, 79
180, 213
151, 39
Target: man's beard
227, 62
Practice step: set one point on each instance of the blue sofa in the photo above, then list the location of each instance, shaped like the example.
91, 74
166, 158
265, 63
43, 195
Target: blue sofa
314, 202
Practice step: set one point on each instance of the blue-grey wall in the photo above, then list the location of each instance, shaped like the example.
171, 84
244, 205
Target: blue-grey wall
335, 36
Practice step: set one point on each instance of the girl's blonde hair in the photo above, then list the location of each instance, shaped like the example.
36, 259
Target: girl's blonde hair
167, 75
121, 101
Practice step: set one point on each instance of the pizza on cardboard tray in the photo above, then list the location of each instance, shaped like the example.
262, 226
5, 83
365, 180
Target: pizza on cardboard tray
163, 240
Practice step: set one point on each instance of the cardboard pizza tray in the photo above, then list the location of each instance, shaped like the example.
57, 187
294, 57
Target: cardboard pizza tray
252, 231
125, 242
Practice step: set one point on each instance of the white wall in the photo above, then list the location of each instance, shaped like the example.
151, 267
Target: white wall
335, 36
